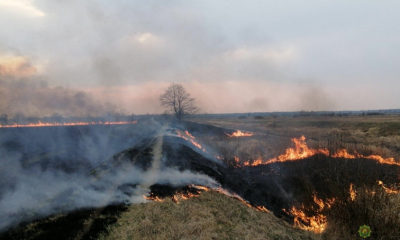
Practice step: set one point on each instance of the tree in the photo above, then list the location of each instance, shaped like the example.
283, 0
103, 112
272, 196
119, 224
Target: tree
178, 101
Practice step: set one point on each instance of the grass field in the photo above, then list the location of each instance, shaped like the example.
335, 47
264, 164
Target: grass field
213, 215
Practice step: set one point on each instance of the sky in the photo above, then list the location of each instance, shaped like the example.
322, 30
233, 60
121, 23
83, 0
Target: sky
88, 57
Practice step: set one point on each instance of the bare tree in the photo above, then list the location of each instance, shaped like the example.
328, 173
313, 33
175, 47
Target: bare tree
178, 101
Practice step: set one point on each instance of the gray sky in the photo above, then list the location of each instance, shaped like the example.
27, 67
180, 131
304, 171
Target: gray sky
232, 56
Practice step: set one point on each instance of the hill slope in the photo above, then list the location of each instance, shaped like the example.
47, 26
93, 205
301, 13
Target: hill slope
209, 216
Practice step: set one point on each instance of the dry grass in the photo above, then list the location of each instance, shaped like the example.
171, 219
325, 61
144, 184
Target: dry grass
373, 207
210, 216
370, 134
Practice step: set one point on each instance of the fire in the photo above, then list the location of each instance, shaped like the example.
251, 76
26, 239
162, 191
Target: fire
153, 198
316, 223
205, 189
353, 193
236, 162
40, 124
301, 151
238, 133
254, 163
180, 135
186, 195
190, 135
388, 190
196, 144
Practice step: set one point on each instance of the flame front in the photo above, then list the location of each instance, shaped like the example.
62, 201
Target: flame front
198, 189
40, 124
301, 151
238, 133
187, 136
190, 135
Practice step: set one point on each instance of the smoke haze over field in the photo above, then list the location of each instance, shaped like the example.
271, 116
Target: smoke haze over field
70, 168
77, 57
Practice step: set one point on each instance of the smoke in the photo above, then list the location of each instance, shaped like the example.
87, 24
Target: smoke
315, 98
45, 171
26, 92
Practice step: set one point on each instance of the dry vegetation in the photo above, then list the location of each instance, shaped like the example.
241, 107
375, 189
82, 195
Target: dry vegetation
368, 135
209, 216
374, 207
378, 135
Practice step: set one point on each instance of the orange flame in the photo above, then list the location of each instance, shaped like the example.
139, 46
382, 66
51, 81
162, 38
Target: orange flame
238, 133
301, 151
236, 162
316, 223
184, 196
153, 198
190, 135
254, 163
353, 193
40, 124
388, 190
195, 143
180, 135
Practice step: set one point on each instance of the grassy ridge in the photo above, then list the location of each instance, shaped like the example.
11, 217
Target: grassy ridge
209, 216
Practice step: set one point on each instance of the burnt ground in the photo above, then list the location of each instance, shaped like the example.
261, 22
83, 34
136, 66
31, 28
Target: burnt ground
276, 186
281, 185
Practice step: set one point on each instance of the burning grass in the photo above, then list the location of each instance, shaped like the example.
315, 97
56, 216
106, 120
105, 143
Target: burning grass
40, 124
354, 142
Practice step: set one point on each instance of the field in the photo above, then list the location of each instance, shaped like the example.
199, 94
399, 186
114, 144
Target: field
200, 181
